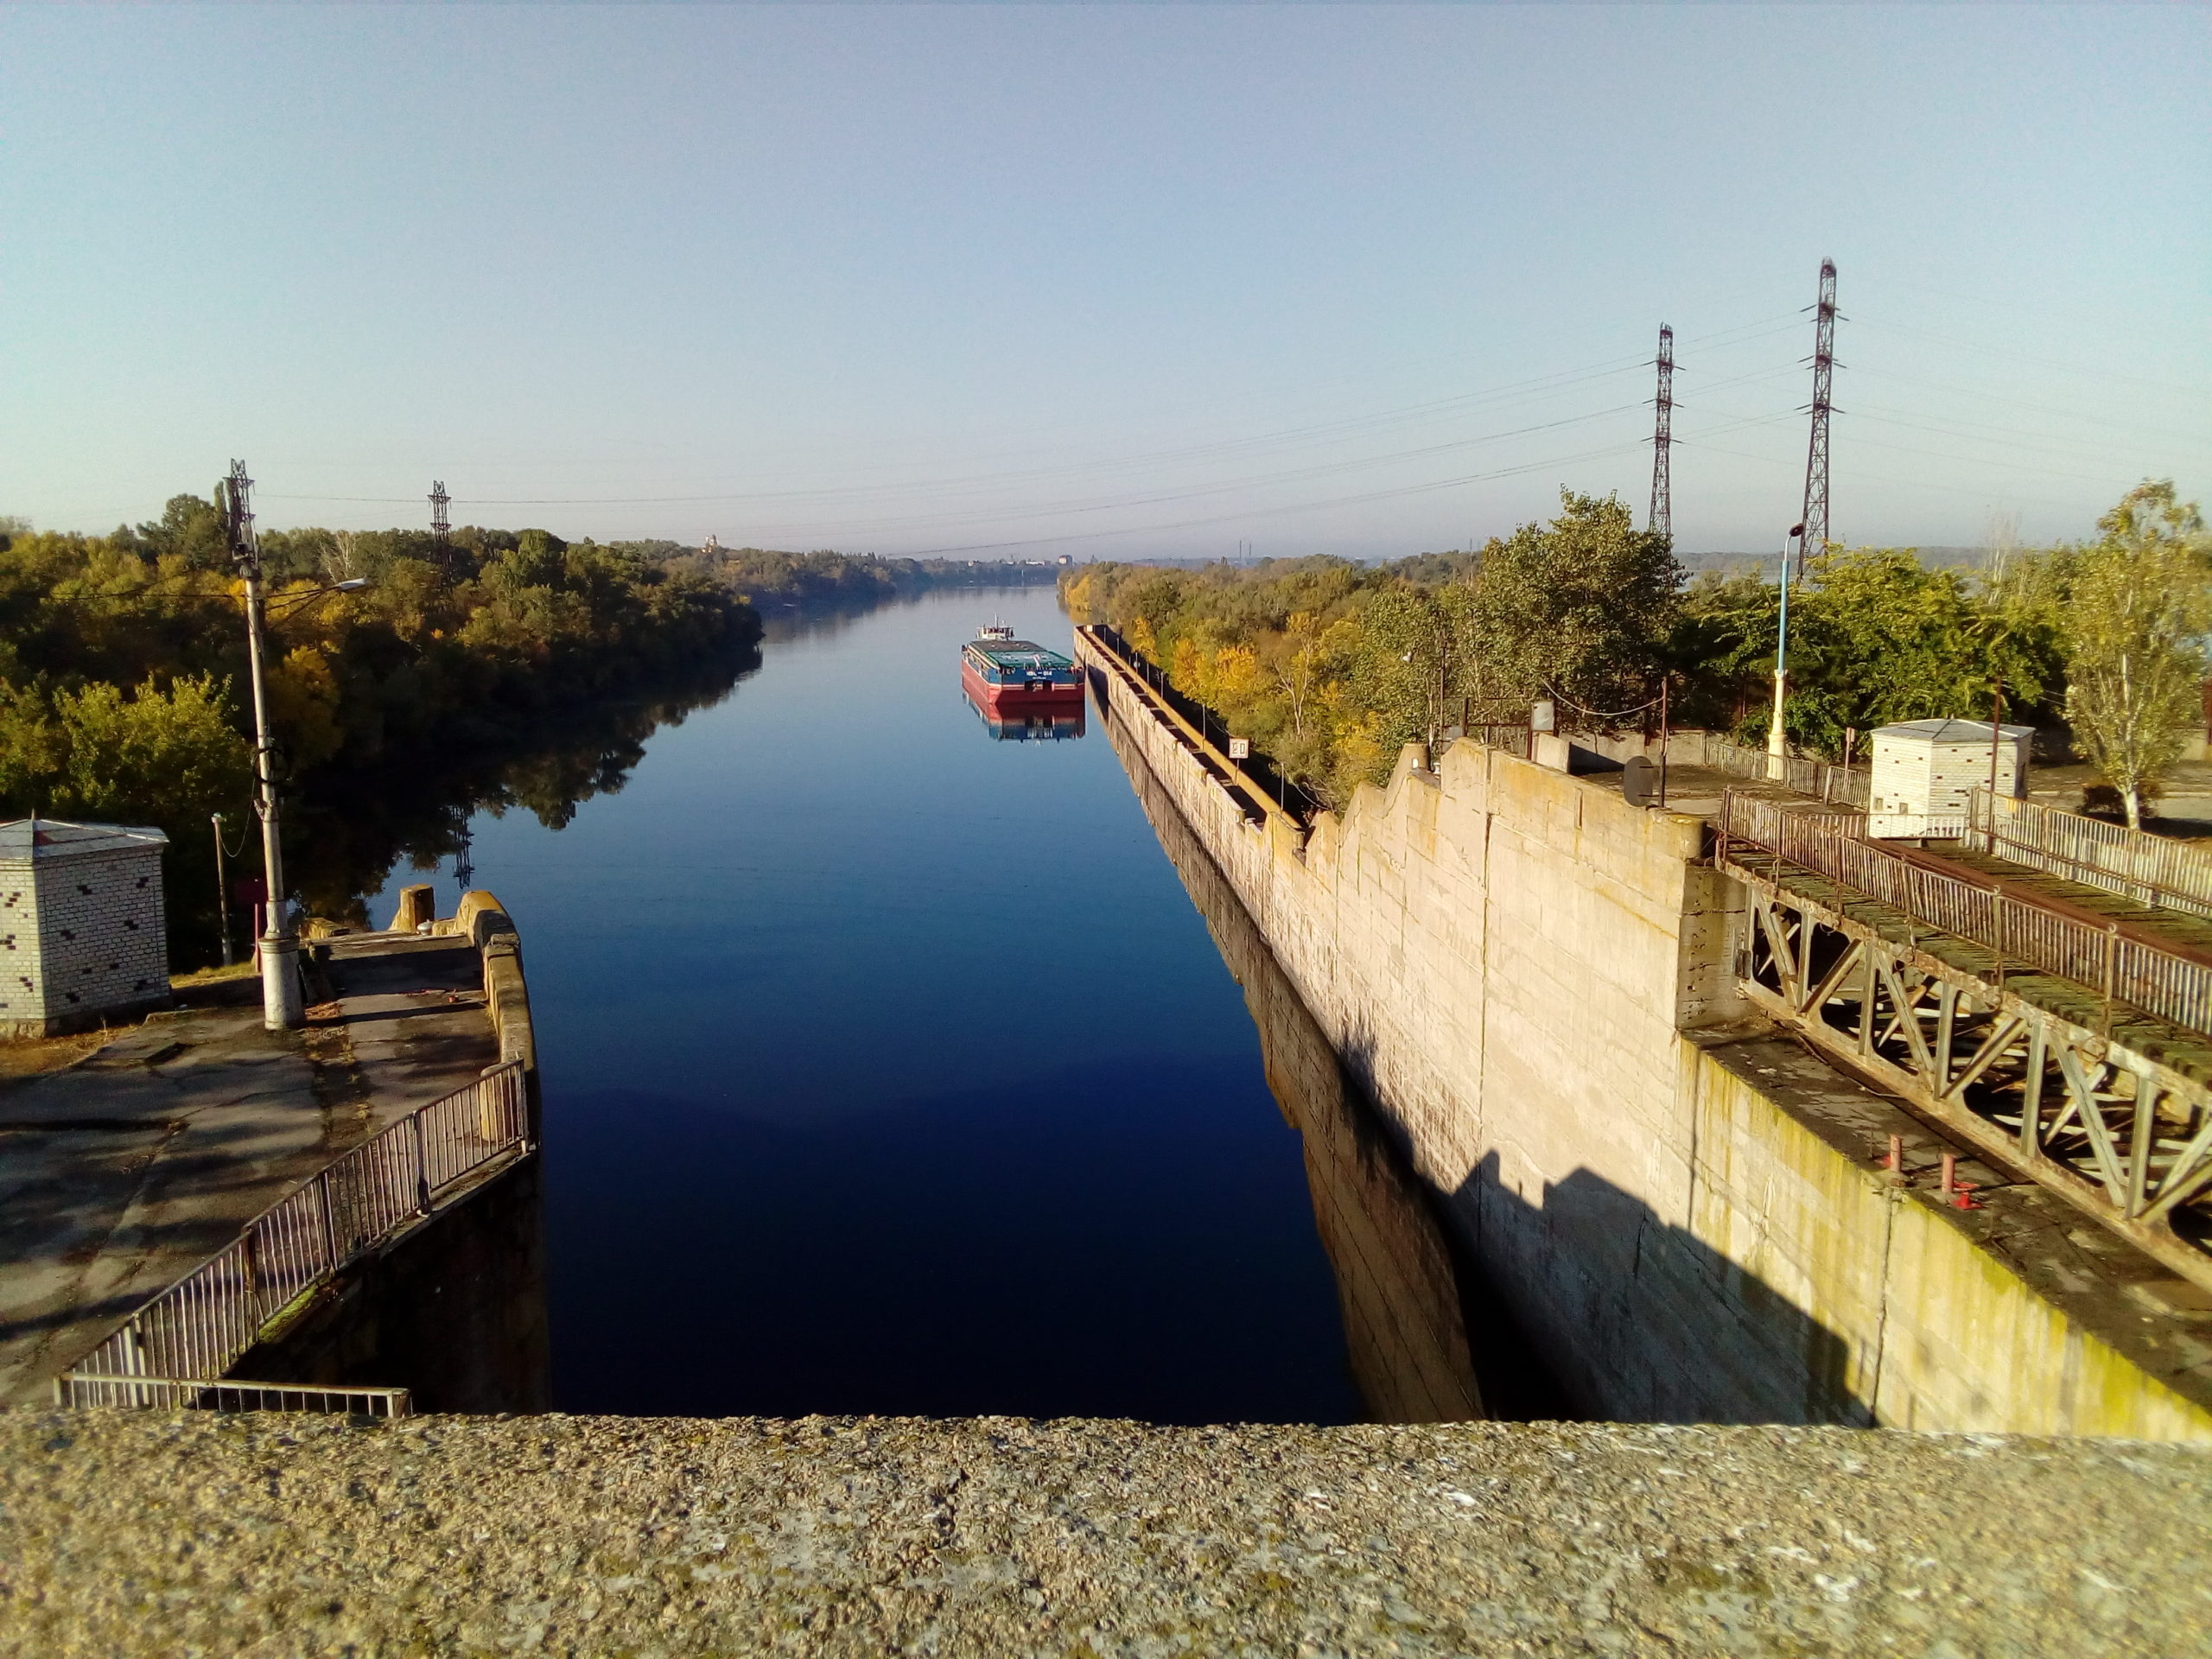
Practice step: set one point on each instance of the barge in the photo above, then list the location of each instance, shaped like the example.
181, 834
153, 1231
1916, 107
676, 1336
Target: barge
1001, 671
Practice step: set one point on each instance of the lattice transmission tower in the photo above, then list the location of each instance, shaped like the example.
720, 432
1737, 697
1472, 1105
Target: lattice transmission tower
1663, 511
439, 502
1815, 531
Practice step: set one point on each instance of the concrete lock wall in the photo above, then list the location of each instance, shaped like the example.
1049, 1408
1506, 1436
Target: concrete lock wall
1533, 981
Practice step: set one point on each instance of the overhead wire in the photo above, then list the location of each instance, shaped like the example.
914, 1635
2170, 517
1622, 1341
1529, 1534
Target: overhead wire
1529, 389
2163, 429
948, 511
1056, 510
1882, 324
1876, 478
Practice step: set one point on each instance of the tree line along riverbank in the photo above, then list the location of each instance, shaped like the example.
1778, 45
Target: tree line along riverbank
1330, 666
122, 668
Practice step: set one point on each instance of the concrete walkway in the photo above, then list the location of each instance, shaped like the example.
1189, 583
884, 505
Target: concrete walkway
136, 1533
123, 1173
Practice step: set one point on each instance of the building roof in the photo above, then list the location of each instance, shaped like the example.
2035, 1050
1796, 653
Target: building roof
24, 839
1950, 731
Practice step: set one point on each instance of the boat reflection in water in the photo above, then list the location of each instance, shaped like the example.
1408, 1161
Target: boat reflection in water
1053, 723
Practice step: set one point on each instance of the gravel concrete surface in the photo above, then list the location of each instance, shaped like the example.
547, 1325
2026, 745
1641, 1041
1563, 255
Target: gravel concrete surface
126, 1534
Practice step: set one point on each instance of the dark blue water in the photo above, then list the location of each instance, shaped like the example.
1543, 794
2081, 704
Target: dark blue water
888, 1068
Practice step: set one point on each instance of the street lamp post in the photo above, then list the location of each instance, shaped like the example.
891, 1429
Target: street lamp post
278, 947
1778, 746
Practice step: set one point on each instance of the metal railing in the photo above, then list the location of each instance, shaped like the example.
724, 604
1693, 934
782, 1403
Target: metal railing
1260, 788
2150, 869
201, 1325
2167, 984
1821, 780
83, 1389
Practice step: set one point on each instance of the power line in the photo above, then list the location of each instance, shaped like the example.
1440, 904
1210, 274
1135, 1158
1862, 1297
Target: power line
2035, 361
1512, 391
1294, 507
1052, 510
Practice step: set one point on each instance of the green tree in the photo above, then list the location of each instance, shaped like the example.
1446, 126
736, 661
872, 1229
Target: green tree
165, 758
1582, 606
1413, 661
2136, 617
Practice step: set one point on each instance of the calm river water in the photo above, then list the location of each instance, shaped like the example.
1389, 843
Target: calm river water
889, 1068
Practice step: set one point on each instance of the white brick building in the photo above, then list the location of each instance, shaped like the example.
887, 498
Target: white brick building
83, 936
1925, 770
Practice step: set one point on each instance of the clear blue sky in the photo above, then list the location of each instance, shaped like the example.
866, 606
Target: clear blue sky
912, 278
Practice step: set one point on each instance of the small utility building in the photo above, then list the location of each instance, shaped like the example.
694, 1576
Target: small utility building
1925, 770
83, 937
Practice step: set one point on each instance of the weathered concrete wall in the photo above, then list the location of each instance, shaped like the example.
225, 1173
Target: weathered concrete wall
1535, 980
482, 918
127, 1534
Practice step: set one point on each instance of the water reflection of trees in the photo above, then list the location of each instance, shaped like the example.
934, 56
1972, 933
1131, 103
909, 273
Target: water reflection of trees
351, 829
1428, 1339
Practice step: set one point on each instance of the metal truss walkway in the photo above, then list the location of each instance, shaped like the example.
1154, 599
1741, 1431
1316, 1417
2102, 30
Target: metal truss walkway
2071, 1047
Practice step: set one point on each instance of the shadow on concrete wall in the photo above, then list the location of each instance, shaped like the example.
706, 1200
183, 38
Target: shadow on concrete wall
1429, 1337
1643, 1322
454, 1311
1574, 1299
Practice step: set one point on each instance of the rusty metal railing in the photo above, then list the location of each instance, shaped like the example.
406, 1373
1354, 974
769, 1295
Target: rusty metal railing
1821, 780
1150, 685
201, 1325
2169, 984
87, 1389
2150, 869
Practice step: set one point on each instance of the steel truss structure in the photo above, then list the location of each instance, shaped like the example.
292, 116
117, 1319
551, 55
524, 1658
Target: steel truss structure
2117, 1132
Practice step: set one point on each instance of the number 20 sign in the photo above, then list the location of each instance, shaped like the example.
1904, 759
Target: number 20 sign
1240, 748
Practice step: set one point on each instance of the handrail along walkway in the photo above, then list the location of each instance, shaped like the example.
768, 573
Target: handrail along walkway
2150, 869
2173, 985
1233, 776
199, 1327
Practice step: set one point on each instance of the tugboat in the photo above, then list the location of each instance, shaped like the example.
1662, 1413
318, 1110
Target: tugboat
1000, 671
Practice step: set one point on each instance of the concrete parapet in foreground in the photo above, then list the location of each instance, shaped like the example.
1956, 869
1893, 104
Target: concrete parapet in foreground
126, 1533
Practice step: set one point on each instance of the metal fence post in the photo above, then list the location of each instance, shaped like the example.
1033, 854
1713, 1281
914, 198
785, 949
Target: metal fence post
2112, 951
329, 1222
421, 1168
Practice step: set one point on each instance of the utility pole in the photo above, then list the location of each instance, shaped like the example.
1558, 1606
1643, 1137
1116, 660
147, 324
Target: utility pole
222, 890
281, 1007
1815, 532
1662, 514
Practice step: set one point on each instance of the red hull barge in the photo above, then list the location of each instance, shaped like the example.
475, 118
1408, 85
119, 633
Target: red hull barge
1018, 696
1001, 671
